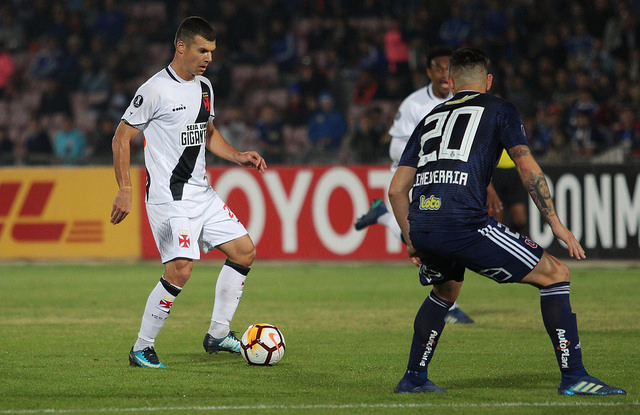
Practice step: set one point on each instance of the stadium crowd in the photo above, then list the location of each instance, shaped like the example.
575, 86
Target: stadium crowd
317, 81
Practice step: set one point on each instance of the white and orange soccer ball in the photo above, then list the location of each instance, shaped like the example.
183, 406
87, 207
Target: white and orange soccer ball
262, 345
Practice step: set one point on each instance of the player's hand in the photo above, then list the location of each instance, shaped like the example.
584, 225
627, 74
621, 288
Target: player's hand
413, 254
251, 159
565, 235
121, 205
494, 204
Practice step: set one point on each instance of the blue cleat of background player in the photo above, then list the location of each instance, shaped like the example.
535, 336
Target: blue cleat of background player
377, 209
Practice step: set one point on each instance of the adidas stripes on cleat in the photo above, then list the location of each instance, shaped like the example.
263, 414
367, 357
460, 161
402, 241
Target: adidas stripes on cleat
588, 385
377, 209
146, 357
227, 344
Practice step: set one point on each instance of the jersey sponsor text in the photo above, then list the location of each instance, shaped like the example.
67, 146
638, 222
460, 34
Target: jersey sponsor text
194, 135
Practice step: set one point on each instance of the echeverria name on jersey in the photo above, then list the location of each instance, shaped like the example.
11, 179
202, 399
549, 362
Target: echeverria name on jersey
441, 176
194, 134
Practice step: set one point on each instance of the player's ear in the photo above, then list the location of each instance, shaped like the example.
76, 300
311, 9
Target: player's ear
180, 46
452, 86
489, 81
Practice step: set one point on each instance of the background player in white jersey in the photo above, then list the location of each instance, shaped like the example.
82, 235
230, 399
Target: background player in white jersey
412, 109
174, 109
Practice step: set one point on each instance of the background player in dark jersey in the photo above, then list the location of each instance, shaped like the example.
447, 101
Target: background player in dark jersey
446, 167
174, 108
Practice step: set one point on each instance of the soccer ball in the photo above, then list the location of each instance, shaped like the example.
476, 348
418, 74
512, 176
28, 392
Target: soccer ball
262, 345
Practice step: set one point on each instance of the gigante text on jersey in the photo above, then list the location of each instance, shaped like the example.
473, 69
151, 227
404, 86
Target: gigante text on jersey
441, 176
194, 135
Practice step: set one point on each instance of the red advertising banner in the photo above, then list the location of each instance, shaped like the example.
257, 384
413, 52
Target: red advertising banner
304, 213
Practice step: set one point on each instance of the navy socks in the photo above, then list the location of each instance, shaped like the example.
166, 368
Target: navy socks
427, 326
562, 328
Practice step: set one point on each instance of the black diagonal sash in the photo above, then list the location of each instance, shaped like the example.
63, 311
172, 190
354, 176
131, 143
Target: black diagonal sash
187, 162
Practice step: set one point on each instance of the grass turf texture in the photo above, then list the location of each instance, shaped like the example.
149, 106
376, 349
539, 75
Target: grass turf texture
66, 330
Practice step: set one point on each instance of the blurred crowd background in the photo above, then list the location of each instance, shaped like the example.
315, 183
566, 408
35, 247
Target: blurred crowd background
317, 81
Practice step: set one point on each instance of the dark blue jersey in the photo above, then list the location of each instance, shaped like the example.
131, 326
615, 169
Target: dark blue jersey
455, 149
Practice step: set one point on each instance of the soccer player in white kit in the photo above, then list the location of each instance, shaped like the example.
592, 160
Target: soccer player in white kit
413, 109
174, 109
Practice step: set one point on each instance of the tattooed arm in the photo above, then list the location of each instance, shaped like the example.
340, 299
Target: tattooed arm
536, 184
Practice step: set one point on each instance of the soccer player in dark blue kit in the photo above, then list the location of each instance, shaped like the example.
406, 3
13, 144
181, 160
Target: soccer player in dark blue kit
438, 195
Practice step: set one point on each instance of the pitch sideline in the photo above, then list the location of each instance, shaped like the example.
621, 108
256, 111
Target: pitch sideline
345, 406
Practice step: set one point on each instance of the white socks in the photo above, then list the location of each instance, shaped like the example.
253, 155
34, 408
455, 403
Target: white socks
228, 293
389, 221
156, 313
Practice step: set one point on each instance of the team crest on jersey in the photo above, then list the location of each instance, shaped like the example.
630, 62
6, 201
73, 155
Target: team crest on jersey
137, 101
183, 238
206, 101
430, 203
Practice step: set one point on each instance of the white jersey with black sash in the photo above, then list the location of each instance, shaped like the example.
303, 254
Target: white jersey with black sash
173, 115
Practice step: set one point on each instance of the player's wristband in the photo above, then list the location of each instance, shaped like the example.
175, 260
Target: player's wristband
125, 187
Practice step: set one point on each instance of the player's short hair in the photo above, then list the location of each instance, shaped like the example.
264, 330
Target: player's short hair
467, 62
192, 27
436, 52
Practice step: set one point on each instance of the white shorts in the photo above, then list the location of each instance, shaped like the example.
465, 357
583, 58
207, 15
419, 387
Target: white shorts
177, 225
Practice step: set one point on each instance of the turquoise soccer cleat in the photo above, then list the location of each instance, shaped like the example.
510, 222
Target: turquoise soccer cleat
146, 357
227, 344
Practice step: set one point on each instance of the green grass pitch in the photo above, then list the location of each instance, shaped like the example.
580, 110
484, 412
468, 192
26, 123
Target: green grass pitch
66, 330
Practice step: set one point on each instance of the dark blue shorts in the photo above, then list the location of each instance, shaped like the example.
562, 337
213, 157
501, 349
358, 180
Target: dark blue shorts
493, 251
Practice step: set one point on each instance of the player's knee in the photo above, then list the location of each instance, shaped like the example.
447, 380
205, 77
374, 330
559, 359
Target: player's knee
177, 276
564, 275
244, 256
560, 271
448, 290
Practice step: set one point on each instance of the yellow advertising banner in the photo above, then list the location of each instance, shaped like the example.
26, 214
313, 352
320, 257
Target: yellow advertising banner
63, 213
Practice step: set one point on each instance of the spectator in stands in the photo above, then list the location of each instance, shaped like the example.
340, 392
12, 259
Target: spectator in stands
56, 35
54, 100
396, 49
296, 112
110, 23
69, 143
548, 125
100, 146
46, 63
364, 144
311, 81
366, 88
270, 134
235, 129
326, 129
586, 138
7, 156
12, 32
559, 152
71, 70
37, 143
284, 46
627, 131
7, 69
455, 30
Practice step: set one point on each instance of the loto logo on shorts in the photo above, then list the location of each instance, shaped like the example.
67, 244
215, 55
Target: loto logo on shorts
183, 238
429, 203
